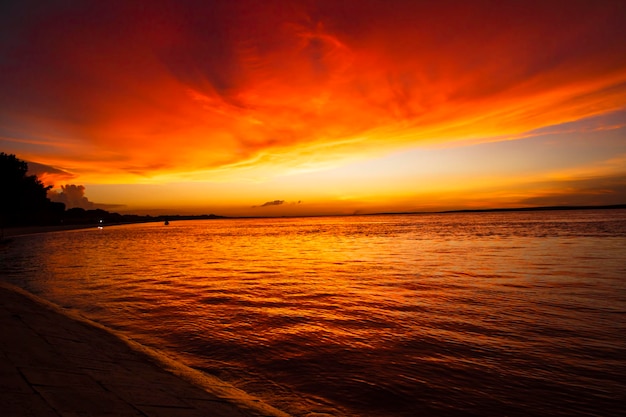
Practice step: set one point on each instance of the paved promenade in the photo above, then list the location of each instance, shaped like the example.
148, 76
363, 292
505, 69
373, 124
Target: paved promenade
53, 365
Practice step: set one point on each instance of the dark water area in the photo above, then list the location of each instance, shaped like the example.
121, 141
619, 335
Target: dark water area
468, 314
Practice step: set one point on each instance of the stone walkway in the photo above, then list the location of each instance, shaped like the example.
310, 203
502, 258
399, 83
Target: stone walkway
52, 365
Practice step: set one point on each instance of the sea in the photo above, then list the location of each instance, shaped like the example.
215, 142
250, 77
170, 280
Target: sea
454, 314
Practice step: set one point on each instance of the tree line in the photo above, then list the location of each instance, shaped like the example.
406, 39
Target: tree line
25, 202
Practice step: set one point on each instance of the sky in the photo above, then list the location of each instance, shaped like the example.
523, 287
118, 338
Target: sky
316, 107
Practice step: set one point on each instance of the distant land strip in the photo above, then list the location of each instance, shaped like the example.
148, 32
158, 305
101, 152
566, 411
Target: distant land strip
495, 210
114, 219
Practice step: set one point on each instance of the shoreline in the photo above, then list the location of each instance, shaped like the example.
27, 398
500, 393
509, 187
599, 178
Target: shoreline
47, 349
10, 232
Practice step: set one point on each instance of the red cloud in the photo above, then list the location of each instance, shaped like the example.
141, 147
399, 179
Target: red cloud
118, 89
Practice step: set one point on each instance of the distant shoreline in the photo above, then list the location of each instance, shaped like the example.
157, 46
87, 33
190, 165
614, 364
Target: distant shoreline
27, 230
496, 210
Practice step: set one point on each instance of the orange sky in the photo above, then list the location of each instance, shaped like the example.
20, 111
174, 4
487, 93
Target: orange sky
318, 107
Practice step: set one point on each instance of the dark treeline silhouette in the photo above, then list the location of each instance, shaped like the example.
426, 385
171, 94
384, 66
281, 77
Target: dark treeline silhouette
25, 203
25, 200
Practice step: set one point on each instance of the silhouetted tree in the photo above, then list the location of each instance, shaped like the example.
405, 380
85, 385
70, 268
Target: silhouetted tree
25, 200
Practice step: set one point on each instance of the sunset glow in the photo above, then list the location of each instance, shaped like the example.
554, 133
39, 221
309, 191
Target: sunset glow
318, 107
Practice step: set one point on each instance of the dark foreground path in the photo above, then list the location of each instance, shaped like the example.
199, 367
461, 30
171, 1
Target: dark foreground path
55, 364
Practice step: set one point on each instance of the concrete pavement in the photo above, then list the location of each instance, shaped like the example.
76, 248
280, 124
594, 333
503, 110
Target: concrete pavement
56, 364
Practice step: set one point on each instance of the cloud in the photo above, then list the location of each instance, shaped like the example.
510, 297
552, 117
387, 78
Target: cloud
590, 191
47, 174
73, 196
271, 203
277, 203
119, 92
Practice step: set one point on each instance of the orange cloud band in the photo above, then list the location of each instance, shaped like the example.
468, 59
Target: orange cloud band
130, 94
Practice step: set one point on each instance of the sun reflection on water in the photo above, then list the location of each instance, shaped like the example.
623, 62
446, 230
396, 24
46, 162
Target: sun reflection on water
377, 316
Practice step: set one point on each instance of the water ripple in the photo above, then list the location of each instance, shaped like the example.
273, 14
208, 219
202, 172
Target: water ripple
460, 314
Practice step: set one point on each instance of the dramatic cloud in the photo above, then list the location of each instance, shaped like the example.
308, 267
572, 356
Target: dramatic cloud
118, 90
166, 92
73, 196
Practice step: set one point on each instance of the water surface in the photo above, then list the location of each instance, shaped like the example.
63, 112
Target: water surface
435, 315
